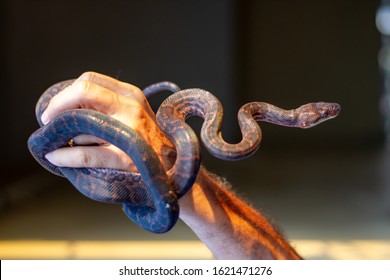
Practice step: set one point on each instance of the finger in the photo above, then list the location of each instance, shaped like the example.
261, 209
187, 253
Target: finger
88, 140
117, 86
90, 95
91, 156
83, 94
112, 84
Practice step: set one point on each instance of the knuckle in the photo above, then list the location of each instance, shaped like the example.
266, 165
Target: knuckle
132, 89
134, 92
142, 101
114, 104
85, 92
88, 76
83, 86
92, 157
85, 158
140, 105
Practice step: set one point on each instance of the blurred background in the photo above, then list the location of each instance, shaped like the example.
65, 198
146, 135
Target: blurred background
327, 188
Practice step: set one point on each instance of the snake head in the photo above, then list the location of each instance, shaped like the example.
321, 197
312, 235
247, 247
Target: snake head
312, 114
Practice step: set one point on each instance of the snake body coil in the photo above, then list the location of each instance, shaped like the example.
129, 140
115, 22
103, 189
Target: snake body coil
150, 197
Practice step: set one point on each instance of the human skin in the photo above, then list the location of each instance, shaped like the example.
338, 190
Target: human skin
224, 222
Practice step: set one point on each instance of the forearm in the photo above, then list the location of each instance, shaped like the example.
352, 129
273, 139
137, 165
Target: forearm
229, 227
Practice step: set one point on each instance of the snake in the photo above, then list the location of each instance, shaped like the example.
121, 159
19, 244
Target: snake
149, 197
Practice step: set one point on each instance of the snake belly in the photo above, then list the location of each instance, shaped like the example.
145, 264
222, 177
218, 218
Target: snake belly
150, 197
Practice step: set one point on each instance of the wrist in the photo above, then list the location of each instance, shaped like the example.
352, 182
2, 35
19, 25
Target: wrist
203, 203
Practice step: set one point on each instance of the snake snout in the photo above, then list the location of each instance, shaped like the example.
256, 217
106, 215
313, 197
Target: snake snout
313, 114
333, 109
326, 111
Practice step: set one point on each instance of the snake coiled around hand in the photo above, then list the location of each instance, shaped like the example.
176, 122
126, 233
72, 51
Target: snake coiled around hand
150, 197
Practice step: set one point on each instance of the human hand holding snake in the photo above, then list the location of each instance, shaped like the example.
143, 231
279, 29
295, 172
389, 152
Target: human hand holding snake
118, 113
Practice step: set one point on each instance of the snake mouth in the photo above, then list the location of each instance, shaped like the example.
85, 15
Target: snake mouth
334, 110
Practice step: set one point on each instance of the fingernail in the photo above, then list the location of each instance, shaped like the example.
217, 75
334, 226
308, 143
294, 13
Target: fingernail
49, 157
44, 118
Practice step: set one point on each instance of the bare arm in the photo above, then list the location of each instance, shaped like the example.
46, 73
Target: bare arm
227, 225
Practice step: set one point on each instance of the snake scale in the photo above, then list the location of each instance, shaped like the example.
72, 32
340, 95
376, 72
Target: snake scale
150, 197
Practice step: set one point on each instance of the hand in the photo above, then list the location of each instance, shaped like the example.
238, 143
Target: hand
119, 100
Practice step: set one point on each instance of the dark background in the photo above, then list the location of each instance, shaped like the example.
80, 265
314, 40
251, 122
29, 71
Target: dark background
283, 52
